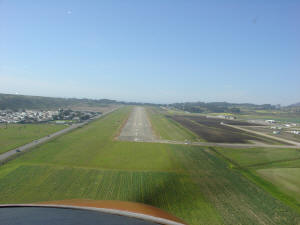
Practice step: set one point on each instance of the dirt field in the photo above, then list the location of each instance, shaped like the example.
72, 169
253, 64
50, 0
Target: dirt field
211, 129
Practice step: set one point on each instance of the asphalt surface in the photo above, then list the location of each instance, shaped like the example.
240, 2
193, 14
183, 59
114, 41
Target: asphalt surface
7, 155
137, 127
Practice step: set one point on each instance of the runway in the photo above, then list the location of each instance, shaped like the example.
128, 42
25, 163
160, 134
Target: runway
137, 127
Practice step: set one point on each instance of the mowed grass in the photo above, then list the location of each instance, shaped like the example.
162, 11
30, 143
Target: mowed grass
286, 180
87, 163
15, 135
293, 163
93, 146
190, 182
168, 129
275, 170
236, 199
259, 156
170, 191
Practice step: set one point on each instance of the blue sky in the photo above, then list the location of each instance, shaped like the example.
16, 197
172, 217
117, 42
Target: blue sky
152, 51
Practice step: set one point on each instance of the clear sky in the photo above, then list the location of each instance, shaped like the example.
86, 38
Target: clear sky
152, 51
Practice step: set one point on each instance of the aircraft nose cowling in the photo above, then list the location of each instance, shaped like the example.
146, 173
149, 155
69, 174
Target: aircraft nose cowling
85, 212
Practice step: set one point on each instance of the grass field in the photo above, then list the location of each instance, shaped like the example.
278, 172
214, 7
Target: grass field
275, 170
168, 129
15, 135
87, 163
191, 182
286, 180
294, 163
259, 156
236, 199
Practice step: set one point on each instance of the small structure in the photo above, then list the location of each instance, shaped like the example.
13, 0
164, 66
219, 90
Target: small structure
270, 121
274, 127
60, 121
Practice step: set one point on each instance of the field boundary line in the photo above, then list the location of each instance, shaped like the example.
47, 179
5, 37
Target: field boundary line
270, 163
237, 165
184, 128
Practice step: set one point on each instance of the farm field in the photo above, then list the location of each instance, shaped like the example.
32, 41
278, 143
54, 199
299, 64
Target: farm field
190, 182
168, 129
211, 130
15, 135
238, 200
285, 179
275, 170
259, 156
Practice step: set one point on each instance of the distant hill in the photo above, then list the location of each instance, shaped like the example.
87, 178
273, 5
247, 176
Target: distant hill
19, 102
219, 107
295, 105
293, 108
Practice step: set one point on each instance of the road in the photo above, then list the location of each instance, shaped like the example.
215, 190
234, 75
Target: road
264, 135
5, 156
137, 127
226, 145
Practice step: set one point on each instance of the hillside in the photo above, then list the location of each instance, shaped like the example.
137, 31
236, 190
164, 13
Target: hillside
295, 105
19, 102
219, 107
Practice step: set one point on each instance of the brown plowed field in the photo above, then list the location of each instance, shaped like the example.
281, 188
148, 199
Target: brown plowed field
211, 130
